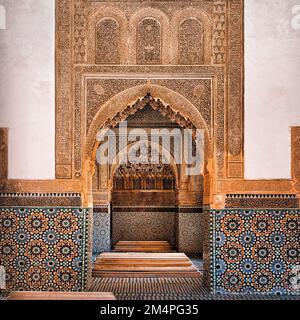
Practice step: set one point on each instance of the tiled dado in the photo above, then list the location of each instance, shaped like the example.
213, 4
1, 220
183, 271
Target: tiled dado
144, 224
45, 248
189, 230
254, 251
101, 229
181, 226
262, 201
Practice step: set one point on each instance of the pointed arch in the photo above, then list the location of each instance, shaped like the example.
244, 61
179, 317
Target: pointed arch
116, 105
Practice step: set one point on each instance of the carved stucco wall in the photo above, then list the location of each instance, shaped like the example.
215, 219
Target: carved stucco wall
98, 92
21, 99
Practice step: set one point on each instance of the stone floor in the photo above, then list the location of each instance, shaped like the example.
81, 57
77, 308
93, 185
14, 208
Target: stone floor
151, 288
166, 288
169, 289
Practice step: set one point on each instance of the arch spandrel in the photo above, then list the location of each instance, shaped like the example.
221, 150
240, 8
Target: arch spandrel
129, 97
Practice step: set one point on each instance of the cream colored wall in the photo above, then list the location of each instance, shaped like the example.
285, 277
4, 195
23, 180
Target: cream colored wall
272, 86
272, 102
27, 87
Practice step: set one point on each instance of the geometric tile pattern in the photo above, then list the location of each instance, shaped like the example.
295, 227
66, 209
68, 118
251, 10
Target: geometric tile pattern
150, 288
170, 289
189, 235
4, 295
143, 226
255, 251
44, 248
101, 230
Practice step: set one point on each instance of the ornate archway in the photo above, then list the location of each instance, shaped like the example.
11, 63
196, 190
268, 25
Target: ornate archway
168, 102
163, 203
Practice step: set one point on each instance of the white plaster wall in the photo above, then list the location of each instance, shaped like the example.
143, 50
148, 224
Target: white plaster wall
27, 87
272, 101
272, 86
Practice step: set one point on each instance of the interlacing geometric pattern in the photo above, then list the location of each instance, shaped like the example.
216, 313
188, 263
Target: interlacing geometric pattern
101, 230
151, 288
44, 248
170, 289
144, 226
255, 251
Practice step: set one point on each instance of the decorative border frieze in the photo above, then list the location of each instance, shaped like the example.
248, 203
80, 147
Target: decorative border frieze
3, 153
296, 153
64, 114
145, 209
40, 199
219, 31
235, 82
262, 201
